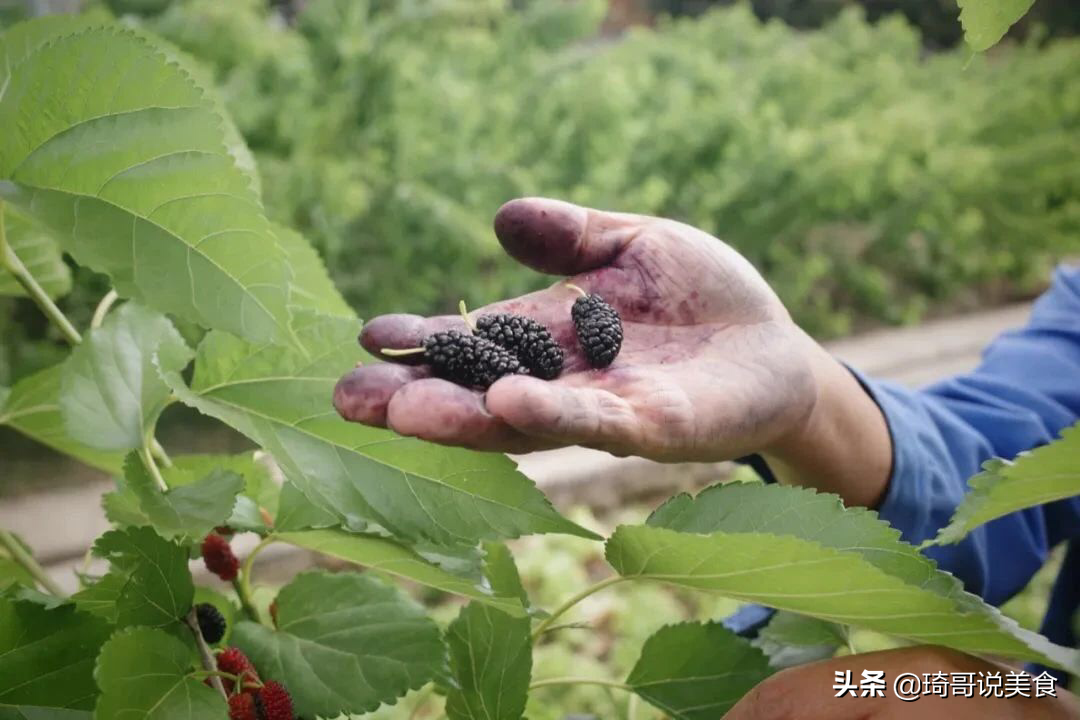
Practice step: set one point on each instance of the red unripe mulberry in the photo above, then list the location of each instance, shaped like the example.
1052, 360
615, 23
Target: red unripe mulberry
272, 702
242, 707
234, 661
219, 558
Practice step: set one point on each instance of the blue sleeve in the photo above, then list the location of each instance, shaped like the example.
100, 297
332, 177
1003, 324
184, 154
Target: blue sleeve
1023, 394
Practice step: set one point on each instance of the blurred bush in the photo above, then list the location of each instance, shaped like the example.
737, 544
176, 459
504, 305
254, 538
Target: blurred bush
938, 21
869, 181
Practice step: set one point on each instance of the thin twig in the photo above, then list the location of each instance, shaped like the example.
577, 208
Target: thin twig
205, 655
11, 261
249, 561
247, 602
152, 468
571, 602
27, 562
202, 674
159, 453
602, 682
242, 583
102, 308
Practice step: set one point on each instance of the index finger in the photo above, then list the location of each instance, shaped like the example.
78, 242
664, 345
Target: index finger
550, 307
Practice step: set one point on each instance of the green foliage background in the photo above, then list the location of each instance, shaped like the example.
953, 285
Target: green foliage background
870, 181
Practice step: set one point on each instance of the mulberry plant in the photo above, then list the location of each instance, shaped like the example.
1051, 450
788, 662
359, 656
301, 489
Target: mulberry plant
112, 152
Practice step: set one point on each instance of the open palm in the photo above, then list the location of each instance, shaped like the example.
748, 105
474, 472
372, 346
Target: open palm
712, 366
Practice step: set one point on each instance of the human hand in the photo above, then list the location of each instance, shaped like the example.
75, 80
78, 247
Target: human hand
805, 692
712, 366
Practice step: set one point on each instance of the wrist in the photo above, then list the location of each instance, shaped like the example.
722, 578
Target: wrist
842, 445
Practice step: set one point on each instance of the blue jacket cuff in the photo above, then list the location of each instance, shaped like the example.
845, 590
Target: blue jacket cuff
905, 505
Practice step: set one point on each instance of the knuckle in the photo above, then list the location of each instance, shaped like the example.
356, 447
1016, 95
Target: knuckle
615, 419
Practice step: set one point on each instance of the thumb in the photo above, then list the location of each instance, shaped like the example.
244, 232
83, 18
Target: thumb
560, 238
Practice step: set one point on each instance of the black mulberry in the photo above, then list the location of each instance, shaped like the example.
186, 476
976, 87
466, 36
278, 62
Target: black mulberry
599, 329
211, 622
530, 341
469, 360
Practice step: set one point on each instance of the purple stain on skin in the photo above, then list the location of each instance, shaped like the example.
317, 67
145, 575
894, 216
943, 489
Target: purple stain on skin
686, 313
362, 394
400, 331
535, 235
438, 410
547, 235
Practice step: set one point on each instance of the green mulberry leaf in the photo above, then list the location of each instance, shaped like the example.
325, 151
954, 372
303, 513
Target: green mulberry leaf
33, 408
387, 556
797, 550
157, 589
189, 481
807, 514
790, 639
38, 251
1045, 474
161, 206
38, 712
190, 510
146, 674
111, 393
986, 21
490, 652
311, 288
696, 671
344, 643
296, 512
47, 654
100, 597
501, 572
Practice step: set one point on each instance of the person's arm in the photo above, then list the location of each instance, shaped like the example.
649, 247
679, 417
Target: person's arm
806, 691
713, 367
1023, 394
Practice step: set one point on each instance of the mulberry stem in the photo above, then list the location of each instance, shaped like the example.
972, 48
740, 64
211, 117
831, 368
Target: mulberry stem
25, 560
206, 657
465, 316
576, 289
102, 308
572, 601
11, 261
398, 353
602, 682
152, 468
242, 583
